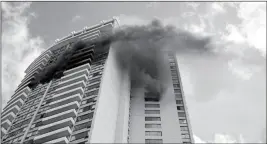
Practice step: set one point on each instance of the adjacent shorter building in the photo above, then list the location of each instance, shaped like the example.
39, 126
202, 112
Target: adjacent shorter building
93, 100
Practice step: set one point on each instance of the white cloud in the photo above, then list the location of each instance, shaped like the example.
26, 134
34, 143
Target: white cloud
19, 48
217, 8
253, 17
220, 138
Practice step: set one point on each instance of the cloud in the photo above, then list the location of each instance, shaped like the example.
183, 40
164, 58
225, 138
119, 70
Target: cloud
220, 138
19, 48
76, 18
253, 25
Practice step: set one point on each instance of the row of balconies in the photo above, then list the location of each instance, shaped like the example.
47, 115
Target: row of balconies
12, 108
58, 120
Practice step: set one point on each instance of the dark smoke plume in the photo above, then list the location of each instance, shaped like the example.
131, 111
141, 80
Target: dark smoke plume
141, 50
55, 69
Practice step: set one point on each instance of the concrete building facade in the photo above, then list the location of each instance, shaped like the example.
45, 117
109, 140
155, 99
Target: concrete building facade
92, 101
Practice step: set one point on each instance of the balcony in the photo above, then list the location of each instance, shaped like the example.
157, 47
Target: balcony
10, 117
61, 116
69, 122
14, 109
5, 124
73, 80
68, 93
54, 135
82, 62
27, 90
18, 102
4, 131
62, 140
74, 75
69, 87
22, 87
46, 56
76, 97
152, 96
82, 67
62, 108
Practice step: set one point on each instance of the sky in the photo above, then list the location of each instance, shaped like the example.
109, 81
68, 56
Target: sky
225, 95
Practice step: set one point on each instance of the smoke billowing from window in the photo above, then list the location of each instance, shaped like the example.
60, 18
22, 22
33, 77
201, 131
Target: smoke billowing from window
139, 49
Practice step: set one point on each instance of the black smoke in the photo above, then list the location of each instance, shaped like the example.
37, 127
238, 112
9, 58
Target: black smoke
56, 68
140, 49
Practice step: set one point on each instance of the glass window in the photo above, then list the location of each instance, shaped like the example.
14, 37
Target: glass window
177, 90
178, 95
184, 128
179, 102
152, 105
152, 112
93, 99
82, 126
185, 136
95, 80
181, 114
176, 85
175, 81
94, 92
87, 108
180, 108
153, 126
153, 133
152, 141
172, 63
182, 121
97, 85
152, 119
86, 116
79, 136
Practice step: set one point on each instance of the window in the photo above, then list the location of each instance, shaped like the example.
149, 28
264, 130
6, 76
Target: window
95, 80
173, 67
177, 90
86, 116
82, 126
152, 119
93, 99
181, 114
188, 141
175, 81
152, 141
152, 105
180, 108
95, 92
185, 136
175, 77
153, 126
80, 136
179, 102
94, 86
153, 133
172, 63
178, 95
175, 85
90, 107
152, 112
97, 74
182, 121
184, 128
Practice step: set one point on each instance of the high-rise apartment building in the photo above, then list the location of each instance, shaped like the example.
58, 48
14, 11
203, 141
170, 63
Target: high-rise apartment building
90, 100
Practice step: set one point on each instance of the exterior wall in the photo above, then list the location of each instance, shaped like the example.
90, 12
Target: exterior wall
104, 126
